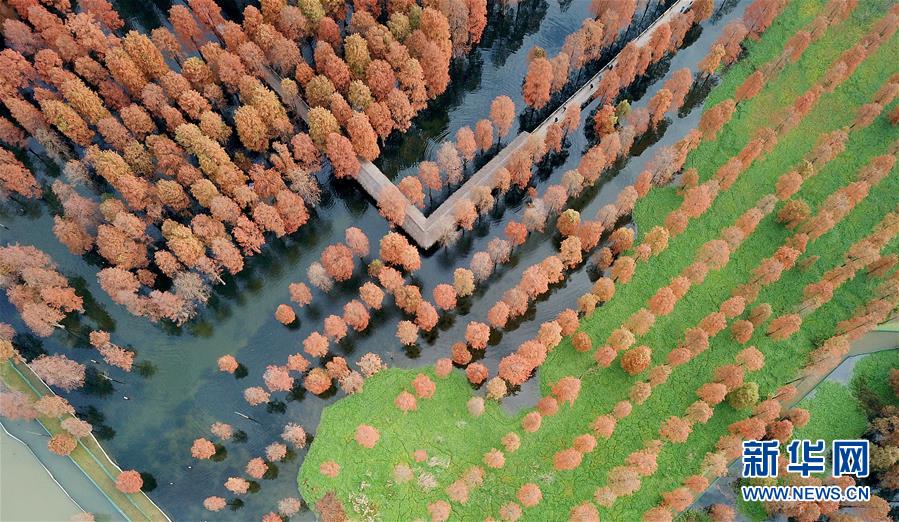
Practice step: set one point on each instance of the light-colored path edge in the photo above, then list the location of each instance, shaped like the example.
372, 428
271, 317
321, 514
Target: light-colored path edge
89, 455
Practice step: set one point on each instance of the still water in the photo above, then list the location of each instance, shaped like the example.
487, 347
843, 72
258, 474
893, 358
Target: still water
149, 418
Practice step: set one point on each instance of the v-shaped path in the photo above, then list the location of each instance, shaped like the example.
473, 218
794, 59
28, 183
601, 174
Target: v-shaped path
427, 231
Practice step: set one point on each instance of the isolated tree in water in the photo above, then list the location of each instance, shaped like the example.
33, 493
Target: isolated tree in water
537, 83
502, 113
338, 262
202, 449
15, 178
659, 105
710, 63
483, 133
465, 143
285, 314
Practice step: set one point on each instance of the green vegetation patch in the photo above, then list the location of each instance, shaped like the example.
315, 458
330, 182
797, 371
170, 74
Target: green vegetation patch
441, 426
871, 379
835, 414
433, 426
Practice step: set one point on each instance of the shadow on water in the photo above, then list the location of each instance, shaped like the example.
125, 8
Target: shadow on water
481, 76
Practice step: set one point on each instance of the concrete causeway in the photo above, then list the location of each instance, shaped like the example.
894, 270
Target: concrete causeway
427, 231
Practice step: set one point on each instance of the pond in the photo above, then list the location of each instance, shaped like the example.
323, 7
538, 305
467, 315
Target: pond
149, 418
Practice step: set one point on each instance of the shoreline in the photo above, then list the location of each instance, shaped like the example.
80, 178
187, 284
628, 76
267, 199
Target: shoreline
89, 457
25, 475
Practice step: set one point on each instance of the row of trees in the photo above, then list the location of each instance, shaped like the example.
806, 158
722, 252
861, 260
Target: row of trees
658, 301
633, 62
158, 187
765, 423
779, 329
546, 77
517, 367
150, 171
636, 361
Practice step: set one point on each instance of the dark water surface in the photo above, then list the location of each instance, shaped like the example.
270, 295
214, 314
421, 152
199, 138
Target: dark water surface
183, 393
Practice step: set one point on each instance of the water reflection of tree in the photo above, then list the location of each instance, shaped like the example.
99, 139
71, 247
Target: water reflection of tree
28, 345
96, 418
402, 149
149, 482
529, 118
142, 15
726, 7
96, 383
93, 310
506, 28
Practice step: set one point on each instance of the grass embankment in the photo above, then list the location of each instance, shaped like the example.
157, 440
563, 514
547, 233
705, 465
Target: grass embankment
601, 390
441, 426
783, 359
88, 455
835, 414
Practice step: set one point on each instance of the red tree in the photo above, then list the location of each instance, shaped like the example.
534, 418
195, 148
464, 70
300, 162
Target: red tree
502, 113
129, 481
342, 155
537, 83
